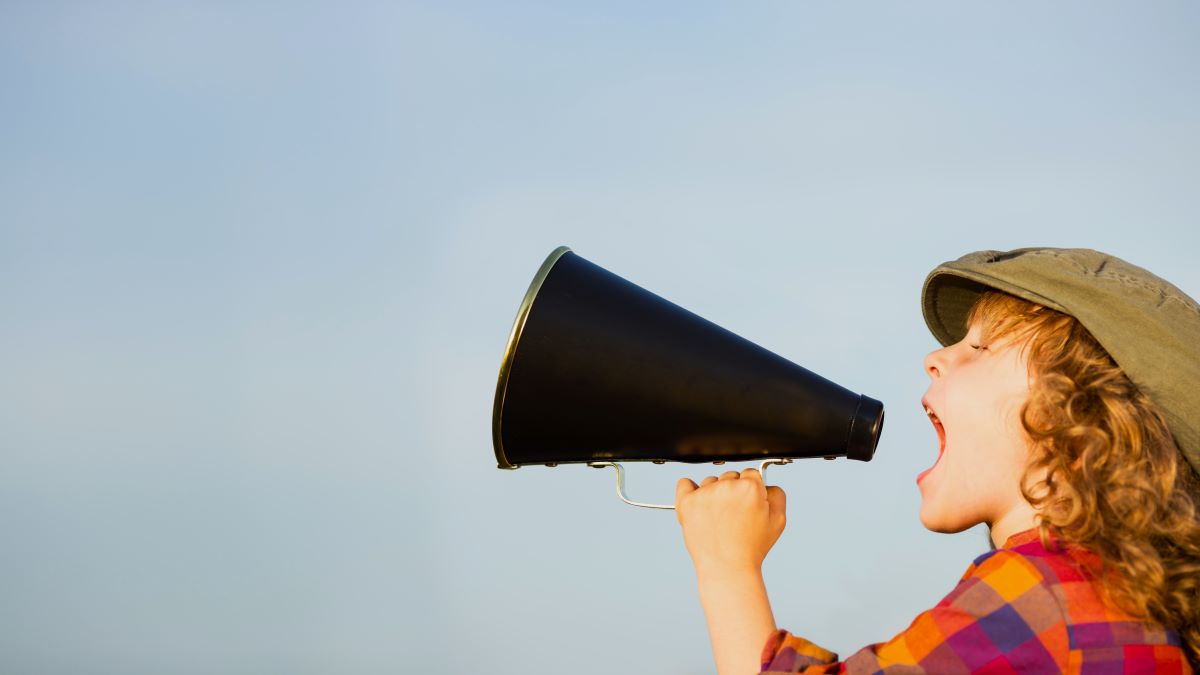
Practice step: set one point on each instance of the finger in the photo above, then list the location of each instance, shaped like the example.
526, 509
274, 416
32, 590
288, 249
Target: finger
708, 480
754, 479
730, 474
682, 487
777, 499
752, 474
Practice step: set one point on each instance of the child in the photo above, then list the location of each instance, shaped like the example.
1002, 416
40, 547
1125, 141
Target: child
1067, 409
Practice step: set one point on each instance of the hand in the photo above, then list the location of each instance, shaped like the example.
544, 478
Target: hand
731, 522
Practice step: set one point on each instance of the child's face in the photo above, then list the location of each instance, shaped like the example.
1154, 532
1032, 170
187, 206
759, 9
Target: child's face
976, 395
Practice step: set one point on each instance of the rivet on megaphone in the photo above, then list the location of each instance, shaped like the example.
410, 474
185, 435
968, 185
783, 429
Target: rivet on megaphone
659, 461
719, 461
551, 463
830, 457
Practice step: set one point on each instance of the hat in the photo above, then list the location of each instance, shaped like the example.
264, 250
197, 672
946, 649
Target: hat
1149, 327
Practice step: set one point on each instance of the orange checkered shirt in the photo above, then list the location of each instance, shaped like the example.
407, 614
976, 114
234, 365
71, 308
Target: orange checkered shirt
1022, 608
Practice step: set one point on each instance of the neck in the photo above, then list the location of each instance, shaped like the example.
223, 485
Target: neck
1018, 519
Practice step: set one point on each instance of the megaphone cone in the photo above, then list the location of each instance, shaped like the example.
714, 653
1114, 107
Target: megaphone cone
598, 369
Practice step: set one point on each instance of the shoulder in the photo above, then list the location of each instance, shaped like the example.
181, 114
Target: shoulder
1001, 615
1026, 562
1096, 628
1023, 575
1012, 597
1056, 593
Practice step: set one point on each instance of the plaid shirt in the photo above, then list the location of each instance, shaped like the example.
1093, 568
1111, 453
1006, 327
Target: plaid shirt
1021, 608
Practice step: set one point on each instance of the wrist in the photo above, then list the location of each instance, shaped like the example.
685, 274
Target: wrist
725, 569
740, 621
728, 575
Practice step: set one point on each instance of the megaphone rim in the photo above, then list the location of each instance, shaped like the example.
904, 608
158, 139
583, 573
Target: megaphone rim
510, 350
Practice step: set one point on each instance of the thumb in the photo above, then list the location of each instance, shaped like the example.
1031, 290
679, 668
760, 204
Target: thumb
777, 501
682, 487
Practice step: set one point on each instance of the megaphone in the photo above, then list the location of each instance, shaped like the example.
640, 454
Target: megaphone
599, 370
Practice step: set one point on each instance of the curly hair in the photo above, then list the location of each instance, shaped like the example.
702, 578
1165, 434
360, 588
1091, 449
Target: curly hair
1105, 473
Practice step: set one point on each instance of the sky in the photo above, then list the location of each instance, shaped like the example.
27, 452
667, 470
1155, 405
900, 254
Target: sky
259, 261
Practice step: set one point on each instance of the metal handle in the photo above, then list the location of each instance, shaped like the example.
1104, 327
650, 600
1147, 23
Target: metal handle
762, 470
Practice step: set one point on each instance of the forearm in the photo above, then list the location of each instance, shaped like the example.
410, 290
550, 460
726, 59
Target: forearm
739, 617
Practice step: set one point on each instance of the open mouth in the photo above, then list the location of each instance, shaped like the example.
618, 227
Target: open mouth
941, 432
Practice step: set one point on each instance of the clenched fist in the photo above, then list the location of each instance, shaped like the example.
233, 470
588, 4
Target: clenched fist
731, 522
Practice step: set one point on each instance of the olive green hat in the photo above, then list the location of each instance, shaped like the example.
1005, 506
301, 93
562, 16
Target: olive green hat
1148, 326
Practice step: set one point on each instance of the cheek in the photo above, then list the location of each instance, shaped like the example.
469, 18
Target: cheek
998, 443
986, 430
975, 409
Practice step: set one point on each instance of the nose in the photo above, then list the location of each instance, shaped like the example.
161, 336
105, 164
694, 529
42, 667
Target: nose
935, 363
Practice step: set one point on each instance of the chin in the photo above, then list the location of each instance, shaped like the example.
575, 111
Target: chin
938, 520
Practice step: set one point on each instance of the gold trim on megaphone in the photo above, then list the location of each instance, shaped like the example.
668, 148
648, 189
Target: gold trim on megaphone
510, 350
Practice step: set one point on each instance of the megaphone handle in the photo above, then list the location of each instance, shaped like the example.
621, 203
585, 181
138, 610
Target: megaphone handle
762, 469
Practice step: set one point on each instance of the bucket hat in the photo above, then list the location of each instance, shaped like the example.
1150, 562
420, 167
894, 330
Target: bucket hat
1150, 327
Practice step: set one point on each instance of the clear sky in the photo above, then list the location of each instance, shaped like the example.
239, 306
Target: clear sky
258, 263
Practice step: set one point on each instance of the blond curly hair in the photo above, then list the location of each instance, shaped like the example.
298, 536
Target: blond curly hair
1105, 472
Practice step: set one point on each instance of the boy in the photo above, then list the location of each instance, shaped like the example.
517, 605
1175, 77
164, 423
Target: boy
1068, 421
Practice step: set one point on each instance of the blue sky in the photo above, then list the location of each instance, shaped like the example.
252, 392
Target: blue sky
258, 263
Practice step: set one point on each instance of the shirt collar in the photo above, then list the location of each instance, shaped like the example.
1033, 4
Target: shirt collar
1022, 537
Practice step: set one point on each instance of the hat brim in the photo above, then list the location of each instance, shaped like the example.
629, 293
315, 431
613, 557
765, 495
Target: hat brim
948, 295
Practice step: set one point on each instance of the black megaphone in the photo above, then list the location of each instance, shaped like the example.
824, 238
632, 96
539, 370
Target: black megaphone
598, 369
